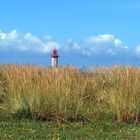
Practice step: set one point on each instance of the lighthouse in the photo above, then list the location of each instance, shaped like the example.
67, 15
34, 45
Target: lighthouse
54, 58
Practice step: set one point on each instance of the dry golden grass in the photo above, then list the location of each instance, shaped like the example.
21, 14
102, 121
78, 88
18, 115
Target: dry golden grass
67, 94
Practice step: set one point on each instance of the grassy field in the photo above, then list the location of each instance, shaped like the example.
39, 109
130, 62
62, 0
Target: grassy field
11, 129
69, 103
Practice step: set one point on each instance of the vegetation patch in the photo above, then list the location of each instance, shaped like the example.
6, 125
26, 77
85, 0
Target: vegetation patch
97, 130
69, 94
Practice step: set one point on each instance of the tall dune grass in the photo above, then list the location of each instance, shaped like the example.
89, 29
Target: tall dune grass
66, 94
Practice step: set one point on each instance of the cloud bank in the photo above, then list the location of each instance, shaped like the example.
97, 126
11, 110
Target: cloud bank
105, 49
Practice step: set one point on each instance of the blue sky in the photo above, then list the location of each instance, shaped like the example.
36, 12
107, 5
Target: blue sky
85, 32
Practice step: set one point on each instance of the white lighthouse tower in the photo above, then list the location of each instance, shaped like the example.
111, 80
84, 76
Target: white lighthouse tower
54, 58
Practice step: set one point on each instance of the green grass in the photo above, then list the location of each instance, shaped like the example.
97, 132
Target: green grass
25, 129
44, 104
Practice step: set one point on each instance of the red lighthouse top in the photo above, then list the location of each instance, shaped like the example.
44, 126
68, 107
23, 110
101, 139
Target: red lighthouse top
54, 53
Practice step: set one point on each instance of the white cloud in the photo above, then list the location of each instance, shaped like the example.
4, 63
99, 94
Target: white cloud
137, 50
71, 45
47, 37
32, 39
48, 46
100, 38
28, 42
106, 47
2, 35
13, 35
106, 44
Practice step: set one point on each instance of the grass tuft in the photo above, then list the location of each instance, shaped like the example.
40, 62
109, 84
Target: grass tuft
69, 94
